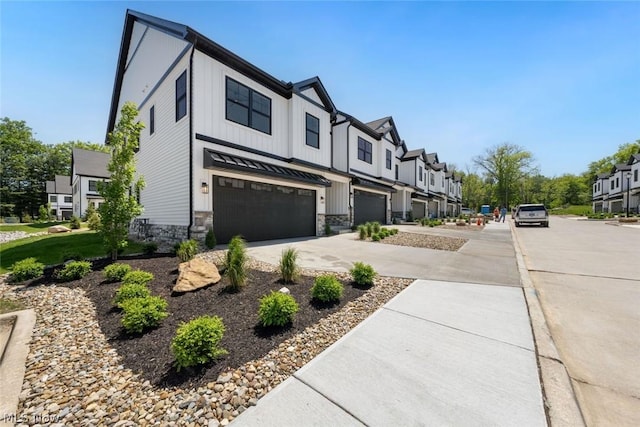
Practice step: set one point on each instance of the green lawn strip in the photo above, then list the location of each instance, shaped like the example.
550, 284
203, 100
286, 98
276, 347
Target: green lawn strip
7, 306
36, 227
572, 210
50, 249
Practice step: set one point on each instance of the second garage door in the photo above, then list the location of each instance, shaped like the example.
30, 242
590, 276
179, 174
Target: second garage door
369, 207
259, 211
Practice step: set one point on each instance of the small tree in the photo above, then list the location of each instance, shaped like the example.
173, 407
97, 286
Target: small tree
43, 214
120, 205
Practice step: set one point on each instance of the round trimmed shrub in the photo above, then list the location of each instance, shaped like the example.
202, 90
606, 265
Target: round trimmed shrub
116, 272
198, 341
143, 313
26, 269
375, 237
74, 270
138, 277
128, 291
277, 309
327, 288
363, 274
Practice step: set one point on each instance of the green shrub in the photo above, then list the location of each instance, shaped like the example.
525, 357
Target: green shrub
43, 214
394, 231
289, 265
362, 232
74, 223
26, 269
235, 263
94, 221
363, 274
327, 229
210, 239
375, 237
74, 270
116, 272
149, 248
327, 288
143, 313
277, 309
130, 290
26, 218
138, 277
186, 250
382, 236
369, 229
198, 341
376, 227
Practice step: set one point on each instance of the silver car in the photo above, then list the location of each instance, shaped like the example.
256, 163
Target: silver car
531, 214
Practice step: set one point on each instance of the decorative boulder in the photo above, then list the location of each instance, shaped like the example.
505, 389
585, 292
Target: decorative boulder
196, 274
58, 229
284, 290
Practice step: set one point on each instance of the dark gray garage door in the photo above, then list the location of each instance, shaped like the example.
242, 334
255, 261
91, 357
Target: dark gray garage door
419, 210
260, 211
369, 207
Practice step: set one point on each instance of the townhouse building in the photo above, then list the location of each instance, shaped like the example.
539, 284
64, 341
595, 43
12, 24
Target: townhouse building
88, 168
60, 197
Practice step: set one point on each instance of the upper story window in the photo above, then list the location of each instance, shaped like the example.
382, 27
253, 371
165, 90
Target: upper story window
388, 159
247, 107
313, 131
53, 199
68, 199
181, 96
432, 178
152, 120
443, 181
617, 182
397, 172
420, 173
364, 150
635, 175
93, 185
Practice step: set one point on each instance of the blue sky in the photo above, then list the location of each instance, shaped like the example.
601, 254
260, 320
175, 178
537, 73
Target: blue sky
561, 79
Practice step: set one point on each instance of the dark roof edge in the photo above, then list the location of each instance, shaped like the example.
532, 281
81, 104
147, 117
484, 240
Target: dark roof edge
361, 126
316, 83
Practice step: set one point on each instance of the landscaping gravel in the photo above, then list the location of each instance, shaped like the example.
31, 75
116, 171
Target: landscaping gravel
7, 236
74, 377
427, 241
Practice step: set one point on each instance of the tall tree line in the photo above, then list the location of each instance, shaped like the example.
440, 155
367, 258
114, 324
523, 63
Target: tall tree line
506, 175
26, 164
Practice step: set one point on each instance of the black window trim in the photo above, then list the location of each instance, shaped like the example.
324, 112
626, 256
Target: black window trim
389, 159
250, 107
306, 137
181, 97
365, 150
152, 120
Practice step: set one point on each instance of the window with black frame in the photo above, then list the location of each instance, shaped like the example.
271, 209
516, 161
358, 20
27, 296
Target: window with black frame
181, 96
388, 159
247, 107
313, 131
364, 150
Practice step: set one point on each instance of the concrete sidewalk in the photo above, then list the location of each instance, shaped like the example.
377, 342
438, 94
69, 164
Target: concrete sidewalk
439, 353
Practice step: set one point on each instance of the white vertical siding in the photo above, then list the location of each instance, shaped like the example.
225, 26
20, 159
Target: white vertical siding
210, 109
298, 147
406, 172
338, 198
312, 94
360, 165
163, 158
148, 62
382, 163
340, 146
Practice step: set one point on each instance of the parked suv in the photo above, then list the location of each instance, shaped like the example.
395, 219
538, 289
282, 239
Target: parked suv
531, 214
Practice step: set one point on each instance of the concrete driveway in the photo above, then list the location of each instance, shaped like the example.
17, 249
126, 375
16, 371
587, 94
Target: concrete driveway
587, 275
487, 258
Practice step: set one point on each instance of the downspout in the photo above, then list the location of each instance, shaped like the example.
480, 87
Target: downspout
191, 213
350, 207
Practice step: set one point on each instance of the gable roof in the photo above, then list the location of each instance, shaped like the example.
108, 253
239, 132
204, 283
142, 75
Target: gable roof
603, 176
621, 167
90, 163
377, 125
432, 158
413, 154
210, 48
361, 126
60, 185
315, 83
634, 158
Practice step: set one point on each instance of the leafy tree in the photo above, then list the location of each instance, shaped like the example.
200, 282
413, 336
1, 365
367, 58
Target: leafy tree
474, 191
120, 205
505, 165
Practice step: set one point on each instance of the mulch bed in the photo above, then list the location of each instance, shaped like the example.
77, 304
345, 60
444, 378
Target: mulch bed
149, 354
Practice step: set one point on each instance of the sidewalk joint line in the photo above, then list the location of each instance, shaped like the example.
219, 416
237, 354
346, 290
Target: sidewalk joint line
329, 399
582, 275
458, 329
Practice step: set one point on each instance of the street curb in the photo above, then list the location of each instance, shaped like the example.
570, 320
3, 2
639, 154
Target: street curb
560, 403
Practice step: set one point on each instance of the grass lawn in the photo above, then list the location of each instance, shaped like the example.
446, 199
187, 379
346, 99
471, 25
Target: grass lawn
7, 306
51, 249
34, 227
571, 210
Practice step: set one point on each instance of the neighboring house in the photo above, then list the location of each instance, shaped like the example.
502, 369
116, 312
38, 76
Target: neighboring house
228, 146
634, 183
87, 169
618, 187
367, 153
413, 171
600, 199
436, 186
453, 192
59, 197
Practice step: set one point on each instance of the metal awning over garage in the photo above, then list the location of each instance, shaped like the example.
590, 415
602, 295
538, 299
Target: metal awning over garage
373, 185
419, 196
216, 159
